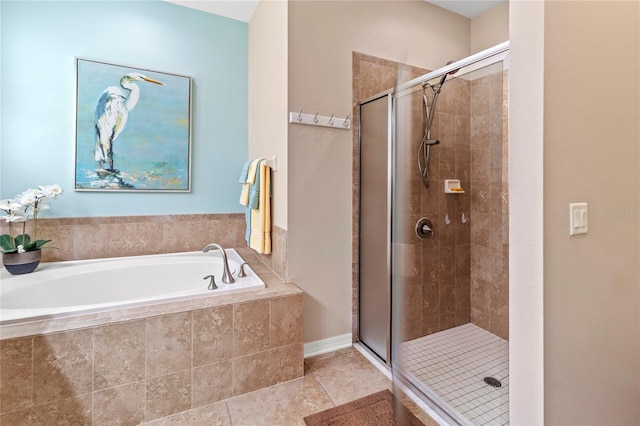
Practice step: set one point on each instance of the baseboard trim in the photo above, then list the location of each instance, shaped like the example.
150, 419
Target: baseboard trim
327, 345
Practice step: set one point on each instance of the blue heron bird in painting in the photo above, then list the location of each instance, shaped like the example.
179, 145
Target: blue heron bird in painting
111, 116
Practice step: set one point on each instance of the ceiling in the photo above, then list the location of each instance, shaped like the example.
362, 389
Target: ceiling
467, 8
242, 10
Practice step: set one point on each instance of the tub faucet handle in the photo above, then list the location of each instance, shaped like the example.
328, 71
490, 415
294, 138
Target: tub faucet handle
212, 283
242, 273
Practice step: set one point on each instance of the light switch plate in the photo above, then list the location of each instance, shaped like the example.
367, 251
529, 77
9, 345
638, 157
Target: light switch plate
578, 218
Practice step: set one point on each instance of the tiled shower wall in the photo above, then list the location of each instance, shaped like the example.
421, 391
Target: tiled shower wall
489, 204
371, 75
442, 277
101, 237
437, 297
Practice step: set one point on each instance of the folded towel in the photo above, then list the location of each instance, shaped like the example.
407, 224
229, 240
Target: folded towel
243, 173
260, 238
253, 201
249, 179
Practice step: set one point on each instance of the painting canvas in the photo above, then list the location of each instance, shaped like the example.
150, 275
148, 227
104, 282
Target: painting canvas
133, 129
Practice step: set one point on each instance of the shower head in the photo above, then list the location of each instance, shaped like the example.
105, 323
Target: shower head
444, 77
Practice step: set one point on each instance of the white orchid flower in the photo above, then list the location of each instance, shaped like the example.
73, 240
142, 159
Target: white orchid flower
51, 191
14, 216
9, 205
28, 197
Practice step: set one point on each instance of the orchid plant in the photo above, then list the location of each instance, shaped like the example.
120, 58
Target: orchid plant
20, 209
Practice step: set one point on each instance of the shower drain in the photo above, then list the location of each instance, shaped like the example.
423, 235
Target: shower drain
492, 382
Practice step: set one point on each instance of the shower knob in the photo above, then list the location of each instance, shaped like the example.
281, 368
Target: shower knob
424, 229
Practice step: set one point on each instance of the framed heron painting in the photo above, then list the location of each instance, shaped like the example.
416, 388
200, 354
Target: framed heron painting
133, 129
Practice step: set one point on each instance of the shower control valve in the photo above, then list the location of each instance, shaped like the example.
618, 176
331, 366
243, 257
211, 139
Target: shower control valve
424, 229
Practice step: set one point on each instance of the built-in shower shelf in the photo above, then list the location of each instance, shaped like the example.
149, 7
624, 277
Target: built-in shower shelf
452, 186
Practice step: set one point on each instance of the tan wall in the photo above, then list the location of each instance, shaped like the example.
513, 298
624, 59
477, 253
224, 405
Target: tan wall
268, 96
591, 154
320, 60
490, 28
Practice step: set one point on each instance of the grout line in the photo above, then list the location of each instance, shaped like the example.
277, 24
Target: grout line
453, 362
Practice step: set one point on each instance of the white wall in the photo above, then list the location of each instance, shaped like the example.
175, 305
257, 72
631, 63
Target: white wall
268, 87
526, 125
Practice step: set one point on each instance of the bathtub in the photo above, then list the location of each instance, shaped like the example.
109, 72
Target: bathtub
62, 289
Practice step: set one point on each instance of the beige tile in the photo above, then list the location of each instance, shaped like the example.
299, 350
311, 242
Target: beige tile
251, 372
69, 411
463, 294
212, 383
430, 299
447, 294
167, 395
480, 229
481, 266
120, 405
118, 354
212, 335
348, 377
250, 327
283, 404
287, 363
62, 365
286, 320
168, 343
447, 263
211, 415
463, 164
16, 374
463, 260
480, 165
255, 371
309, 362
412, 302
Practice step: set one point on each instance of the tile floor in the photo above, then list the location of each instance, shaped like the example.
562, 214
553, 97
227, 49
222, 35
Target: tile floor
454, 362
329, 380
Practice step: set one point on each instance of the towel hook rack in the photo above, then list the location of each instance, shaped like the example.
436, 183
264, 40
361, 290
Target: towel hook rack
318, 120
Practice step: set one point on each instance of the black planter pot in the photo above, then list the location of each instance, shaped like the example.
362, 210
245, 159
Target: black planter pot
21, 263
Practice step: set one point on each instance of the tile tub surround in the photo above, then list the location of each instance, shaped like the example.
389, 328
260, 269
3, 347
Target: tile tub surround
135, 365
100, 237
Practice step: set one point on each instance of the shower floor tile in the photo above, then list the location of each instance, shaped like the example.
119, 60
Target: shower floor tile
453, 363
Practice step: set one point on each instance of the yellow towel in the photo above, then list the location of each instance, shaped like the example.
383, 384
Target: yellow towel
260, 239
251, 178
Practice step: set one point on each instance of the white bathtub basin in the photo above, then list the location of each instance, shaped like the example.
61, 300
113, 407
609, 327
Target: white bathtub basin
65, 288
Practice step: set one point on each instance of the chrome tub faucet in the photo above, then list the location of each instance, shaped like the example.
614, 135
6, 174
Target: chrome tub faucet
227, 278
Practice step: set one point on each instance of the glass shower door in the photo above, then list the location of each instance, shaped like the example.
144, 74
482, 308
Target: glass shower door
375, 226
450, 288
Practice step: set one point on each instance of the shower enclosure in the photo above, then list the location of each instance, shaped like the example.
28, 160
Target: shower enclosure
433, 236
